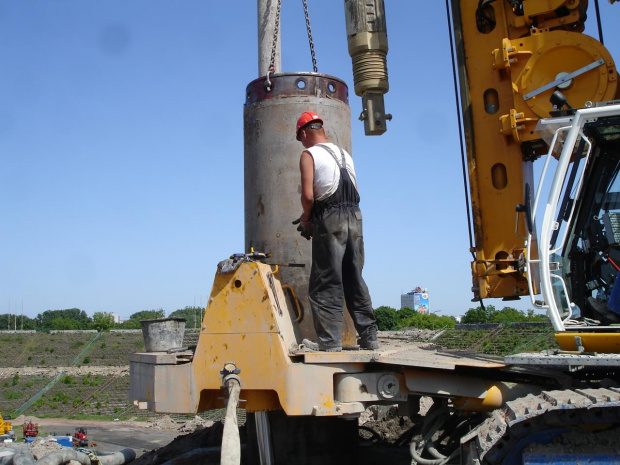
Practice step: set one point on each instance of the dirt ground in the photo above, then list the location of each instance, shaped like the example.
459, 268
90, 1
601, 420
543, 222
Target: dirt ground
103, 436
199, 441
382, 440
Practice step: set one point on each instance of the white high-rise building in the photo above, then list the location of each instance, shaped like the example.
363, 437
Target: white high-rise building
417, 300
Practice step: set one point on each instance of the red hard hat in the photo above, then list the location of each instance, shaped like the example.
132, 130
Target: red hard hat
305, 118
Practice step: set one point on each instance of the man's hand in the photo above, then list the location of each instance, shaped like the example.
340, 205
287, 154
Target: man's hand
305, 228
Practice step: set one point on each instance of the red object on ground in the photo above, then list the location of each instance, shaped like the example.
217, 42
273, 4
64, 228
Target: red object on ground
80, 437
30, 429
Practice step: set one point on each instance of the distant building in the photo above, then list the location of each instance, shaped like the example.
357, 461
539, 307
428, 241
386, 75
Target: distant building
417, 300
406, 301
116, 317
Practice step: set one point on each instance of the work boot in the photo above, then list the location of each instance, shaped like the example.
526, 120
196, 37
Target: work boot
369, 344
602, 309
316, 348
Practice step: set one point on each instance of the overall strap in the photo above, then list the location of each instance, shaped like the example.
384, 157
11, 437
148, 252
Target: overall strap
342, 163
345, 195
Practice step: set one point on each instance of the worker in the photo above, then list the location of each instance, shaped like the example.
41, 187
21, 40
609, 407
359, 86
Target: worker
332, 218
610, 309
604, 310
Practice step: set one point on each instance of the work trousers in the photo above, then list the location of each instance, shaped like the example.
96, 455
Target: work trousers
613, 303
336, 276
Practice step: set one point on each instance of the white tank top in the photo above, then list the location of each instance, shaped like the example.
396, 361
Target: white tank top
327, 171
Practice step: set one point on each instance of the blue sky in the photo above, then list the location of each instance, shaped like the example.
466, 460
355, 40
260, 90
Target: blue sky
121, 150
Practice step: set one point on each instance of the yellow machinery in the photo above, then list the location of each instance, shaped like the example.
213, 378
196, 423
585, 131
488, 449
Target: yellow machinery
512, 57
300, 403
6, 429
248, 330
520, 63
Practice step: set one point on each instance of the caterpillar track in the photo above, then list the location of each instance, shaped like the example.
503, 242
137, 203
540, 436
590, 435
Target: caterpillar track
538, 419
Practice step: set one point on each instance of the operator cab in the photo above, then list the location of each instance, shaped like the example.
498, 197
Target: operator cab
581, 223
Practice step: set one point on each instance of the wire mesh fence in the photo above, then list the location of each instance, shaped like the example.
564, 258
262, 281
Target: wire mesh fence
100, 393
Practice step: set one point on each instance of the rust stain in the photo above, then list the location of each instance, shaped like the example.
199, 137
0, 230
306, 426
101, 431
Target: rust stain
260, 206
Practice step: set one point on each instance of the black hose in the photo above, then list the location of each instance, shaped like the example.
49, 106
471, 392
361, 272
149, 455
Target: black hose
598, 23
374, 434
459, 119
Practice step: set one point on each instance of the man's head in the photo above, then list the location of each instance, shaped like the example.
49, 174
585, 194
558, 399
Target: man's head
308, 121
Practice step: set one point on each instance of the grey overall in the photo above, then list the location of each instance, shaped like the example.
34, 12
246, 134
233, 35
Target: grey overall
337, 262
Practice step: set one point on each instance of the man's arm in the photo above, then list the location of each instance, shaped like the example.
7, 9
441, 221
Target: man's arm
306, 166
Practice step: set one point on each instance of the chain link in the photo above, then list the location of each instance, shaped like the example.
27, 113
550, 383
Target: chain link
276, 29
314, 67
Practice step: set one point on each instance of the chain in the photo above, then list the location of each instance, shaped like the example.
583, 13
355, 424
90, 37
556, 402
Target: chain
272, 61
314, 67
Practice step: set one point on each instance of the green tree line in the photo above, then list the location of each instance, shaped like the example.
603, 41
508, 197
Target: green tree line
489, 314
389, 318
76, 319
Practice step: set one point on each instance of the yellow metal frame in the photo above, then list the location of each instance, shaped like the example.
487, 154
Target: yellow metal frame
248, 331
498, 67
607, 343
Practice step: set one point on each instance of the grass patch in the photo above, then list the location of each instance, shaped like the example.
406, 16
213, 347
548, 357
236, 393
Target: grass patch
69, 380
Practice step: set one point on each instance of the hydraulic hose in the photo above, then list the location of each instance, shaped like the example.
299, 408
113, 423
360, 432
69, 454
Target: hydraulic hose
23, 456
118, 458
61, 457
20, 456
231, 443
432, 423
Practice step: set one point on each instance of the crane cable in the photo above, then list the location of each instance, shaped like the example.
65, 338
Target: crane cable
459, 118
598, 23
460, 126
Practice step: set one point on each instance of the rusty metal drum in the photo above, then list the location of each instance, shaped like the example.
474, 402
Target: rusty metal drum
272, 179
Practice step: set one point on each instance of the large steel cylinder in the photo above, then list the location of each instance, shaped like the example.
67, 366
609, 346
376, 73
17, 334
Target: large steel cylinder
272, 178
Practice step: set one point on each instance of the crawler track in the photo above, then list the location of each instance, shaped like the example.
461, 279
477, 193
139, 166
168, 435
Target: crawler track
538, 418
